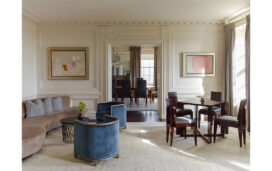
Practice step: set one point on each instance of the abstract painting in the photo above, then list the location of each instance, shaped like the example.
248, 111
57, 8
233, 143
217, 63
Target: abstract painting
198, 64
69, 63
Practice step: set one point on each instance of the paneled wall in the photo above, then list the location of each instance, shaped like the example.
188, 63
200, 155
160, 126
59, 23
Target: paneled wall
29, 89
173, 40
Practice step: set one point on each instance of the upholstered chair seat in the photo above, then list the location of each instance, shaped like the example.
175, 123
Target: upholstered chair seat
236, 122
214, 110
183, 120
228, 119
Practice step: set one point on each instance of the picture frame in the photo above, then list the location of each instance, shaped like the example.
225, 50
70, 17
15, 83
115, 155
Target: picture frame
68, 63
198, 64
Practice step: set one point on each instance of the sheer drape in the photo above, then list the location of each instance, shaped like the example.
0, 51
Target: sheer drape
247, 47
229, 47
135, 64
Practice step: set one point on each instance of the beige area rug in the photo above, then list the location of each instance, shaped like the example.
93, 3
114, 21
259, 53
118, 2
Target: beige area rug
143, 147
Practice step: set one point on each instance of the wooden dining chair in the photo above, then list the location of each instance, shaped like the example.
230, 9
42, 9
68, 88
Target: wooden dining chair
174, 121
141, 91
180, 112
216, 96
236, 122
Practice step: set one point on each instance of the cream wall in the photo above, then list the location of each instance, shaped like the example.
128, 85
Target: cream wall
173, 39
29, 89
196, 39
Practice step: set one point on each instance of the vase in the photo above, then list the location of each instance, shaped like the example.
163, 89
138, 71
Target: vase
80, 116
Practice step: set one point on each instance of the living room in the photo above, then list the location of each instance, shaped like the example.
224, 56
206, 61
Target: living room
197, 54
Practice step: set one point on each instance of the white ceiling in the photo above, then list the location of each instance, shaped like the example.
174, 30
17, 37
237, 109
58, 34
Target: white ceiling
186, 10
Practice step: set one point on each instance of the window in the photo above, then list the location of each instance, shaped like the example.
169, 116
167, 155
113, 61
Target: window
147, 68
238, 66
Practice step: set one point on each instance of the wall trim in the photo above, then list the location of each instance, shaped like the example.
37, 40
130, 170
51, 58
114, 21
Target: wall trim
128, 22
238, 17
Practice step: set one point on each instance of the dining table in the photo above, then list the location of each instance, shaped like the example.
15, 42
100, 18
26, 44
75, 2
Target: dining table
205, 103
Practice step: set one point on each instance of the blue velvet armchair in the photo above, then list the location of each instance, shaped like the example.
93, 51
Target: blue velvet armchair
97, 140
116, 109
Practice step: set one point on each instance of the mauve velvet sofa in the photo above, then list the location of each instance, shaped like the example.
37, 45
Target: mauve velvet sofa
116, 109
34, 129
97, 140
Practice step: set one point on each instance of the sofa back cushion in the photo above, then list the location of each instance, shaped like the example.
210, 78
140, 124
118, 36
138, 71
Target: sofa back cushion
47, 105
57, 104
34, 109
65, 104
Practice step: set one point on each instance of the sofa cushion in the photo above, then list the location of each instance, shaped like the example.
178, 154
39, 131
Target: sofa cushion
34, 109
57, 104
47, 105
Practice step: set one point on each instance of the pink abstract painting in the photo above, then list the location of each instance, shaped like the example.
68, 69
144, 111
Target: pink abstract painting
200, 64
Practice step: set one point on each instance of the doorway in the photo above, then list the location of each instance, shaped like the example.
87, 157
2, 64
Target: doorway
119, 60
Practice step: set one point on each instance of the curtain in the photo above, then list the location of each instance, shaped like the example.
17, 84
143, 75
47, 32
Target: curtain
156, 50
229, 47
247, 47
135, 64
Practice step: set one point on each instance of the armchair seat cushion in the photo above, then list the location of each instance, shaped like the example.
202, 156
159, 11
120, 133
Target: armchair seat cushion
183, 120
179, 112
227, 120
214, 110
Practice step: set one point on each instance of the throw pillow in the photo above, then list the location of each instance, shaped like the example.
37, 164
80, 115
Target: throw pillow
57, 104
47, 105
34, 109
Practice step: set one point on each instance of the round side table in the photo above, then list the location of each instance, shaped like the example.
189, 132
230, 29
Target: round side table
68, 129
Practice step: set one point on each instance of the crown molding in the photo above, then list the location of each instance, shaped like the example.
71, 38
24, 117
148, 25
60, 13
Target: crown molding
238, 16
129, 22
30, 16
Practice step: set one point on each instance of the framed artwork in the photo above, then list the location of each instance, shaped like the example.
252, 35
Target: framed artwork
68, 63
198, 64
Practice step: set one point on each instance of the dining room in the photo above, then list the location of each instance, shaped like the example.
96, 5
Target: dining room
134, 80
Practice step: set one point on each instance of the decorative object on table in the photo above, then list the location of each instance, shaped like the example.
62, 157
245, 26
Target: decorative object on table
116, 109
102, 137
81, 107
198, 64
236, 122
68, 63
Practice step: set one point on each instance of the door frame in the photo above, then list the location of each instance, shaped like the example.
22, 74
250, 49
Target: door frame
161, 90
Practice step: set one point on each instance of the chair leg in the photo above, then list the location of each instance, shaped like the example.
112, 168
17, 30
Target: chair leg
146, 101
167, 133
171, 136
195, 133
214, 131
223, 130
192, 117
199, 115
240, 136
244, 135
185, 133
